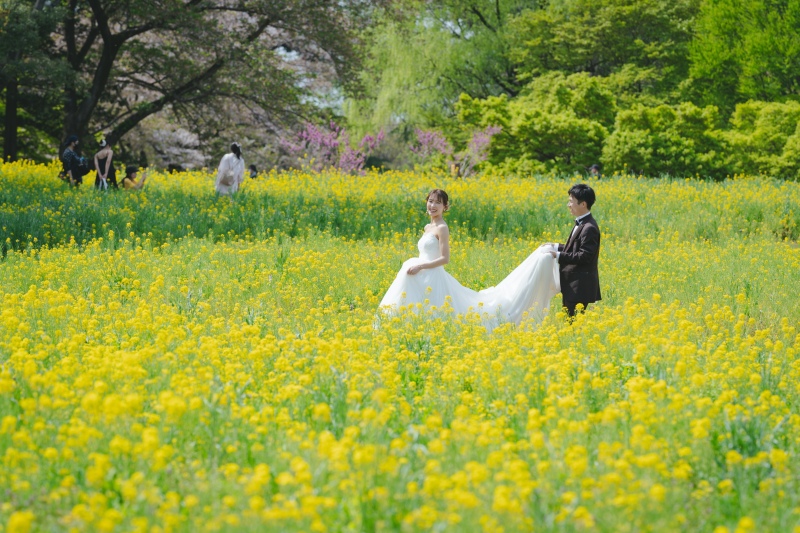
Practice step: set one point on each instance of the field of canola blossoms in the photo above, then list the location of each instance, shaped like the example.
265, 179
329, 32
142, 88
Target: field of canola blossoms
171, 361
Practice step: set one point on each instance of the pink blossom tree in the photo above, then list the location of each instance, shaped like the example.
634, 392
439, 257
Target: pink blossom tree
432, 148
322, 148
477, 150
431, 144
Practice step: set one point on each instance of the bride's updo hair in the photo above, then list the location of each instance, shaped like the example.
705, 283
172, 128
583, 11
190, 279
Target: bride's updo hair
439, 194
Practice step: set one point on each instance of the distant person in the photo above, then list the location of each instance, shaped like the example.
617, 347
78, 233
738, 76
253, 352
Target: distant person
253, 171
231, 171
130, 181
594, 171
104, 163
74, 167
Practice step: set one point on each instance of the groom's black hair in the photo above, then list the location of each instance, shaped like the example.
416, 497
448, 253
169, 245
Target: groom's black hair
582, 193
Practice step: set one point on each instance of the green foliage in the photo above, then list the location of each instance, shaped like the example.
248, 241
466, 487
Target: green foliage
765, 138
646, 38
423, 55
746, 50
791, 156
562, 141
563, 124
27, 70
587, 96
397, 81
680, 140
559, 124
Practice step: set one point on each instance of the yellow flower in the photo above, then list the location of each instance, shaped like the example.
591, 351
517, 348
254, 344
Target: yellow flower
20, 522
322, 412
732, 457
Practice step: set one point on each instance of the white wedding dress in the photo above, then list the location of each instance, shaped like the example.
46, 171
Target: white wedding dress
529, 288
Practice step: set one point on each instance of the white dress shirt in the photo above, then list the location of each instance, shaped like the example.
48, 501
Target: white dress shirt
574, 228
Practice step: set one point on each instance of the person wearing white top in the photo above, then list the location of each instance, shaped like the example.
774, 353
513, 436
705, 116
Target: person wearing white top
231, 171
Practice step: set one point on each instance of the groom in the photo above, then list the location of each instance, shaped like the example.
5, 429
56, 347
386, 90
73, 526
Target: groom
577, 259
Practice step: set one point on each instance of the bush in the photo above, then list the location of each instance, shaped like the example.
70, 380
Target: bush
559, 124
680, 140
765, 138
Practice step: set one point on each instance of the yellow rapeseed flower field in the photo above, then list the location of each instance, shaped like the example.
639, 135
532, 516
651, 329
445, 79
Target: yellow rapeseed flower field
173, 361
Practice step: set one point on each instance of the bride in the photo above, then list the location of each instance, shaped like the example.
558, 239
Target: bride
529, 288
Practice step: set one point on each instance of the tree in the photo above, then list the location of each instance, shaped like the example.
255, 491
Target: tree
424, 54
28, 76
131, 59
643, 43
746, 49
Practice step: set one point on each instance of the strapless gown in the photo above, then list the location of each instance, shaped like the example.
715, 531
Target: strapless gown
529, 288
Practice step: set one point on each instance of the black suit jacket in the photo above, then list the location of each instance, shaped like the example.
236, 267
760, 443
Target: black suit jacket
577, 263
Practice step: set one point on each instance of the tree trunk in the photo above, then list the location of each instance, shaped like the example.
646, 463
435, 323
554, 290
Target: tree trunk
71, 121
11, 121
70, 94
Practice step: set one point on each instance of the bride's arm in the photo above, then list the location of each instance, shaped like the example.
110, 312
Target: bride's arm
444, 252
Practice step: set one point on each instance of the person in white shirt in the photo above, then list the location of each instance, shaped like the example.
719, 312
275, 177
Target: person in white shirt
231, 171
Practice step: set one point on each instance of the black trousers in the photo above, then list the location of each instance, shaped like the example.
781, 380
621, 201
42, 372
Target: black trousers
570, 307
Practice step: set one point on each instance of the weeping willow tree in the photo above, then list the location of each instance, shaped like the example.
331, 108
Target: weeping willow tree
421, 61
